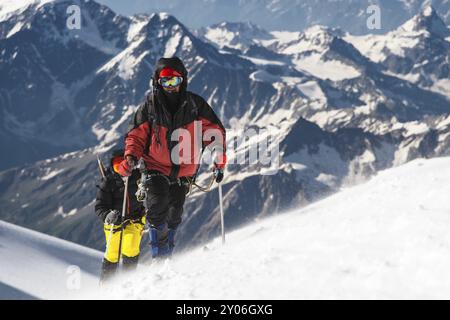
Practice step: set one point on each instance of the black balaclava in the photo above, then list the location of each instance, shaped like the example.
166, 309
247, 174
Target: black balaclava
172, 100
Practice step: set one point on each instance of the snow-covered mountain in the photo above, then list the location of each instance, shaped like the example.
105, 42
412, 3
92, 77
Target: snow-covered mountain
337, 114
234, 35
418, 51
386, 239
37, 266
45, 105
363, 92
293, 15
85, 84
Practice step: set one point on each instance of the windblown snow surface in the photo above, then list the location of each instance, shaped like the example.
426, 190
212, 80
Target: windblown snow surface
37, 266
386, 239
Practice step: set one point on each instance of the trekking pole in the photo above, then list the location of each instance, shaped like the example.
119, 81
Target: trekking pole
221, 213
124, 212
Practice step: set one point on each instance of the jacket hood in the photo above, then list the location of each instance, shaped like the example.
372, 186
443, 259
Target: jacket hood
174, 63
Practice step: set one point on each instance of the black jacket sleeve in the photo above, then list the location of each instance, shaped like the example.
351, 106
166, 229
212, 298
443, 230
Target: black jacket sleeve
104, 199
206, 112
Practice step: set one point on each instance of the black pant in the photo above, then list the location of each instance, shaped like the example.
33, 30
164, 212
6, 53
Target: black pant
165, 201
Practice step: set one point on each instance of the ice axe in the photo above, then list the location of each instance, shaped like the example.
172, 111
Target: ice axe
101, 167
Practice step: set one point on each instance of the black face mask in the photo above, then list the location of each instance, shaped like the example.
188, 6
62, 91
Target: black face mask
172, 96
172, 101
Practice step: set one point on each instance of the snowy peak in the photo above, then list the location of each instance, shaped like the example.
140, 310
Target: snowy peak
257, 31
135, 30
314, 39
163, 18
322, 34
8, 8
416, 52
245, 29
101, 28
157, 24
149, 37
235, 35
428, 20
168, 34
322, 52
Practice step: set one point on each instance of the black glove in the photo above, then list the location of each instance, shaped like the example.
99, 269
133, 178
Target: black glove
113, 217
218, 174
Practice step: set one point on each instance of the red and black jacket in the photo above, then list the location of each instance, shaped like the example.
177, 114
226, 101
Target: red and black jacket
150, 133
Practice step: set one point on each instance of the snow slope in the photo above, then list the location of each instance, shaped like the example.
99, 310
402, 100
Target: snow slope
34, 265
384, 239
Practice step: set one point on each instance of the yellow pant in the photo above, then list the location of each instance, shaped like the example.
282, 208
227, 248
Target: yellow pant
131, 240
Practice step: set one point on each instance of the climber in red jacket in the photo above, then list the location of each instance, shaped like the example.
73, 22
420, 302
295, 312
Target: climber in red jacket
169, 109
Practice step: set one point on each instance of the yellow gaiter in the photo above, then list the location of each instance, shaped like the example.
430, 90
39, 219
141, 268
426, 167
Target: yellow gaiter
131, 240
